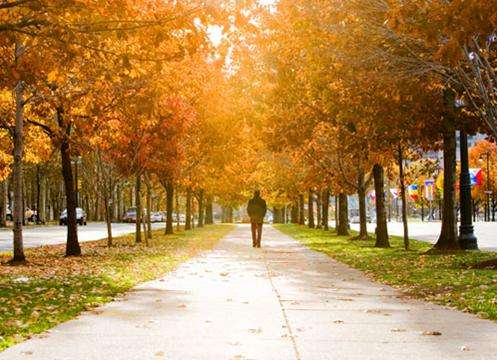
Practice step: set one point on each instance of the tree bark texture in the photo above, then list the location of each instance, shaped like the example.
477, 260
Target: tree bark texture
343, 215
382, 240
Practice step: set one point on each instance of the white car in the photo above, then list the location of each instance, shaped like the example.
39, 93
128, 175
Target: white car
182, 217
156, 216
80, 217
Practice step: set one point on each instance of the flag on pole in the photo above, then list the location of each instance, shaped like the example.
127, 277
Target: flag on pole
412, 190
395, 193
429, 190
476, 176
372, 196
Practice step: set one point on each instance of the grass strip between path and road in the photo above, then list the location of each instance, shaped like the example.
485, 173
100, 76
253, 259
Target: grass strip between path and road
442, 278
52, 289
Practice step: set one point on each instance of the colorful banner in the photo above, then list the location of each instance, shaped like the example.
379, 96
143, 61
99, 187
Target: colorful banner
395, 193
429, 192
412, 191
372, 196
476, 176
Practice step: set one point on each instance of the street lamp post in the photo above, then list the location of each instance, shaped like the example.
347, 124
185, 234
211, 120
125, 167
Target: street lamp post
467, 238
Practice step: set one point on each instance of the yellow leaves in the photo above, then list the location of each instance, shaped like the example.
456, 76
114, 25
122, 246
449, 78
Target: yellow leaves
5, 97
55, 76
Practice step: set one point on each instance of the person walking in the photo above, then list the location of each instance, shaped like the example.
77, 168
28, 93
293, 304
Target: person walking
256, 210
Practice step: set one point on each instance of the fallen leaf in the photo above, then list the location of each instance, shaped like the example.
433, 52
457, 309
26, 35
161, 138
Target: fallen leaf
431, 333
256, 331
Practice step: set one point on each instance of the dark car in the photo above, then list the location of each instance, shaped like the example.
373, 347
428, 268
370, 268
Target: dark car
80, 217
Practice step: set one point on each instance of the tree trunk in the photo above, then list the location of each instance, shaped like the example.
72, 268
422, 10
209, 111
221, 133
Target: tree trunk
326, 209
310, 209
224, 215
17, 174
276, 216
388, 204
200, 208
209, 216
108, 220
193, 210
337, 218
381, 215
361, 193
301, 210
149, 208
144, 225
138, 204
294, 213
188, 211
343, 216
448, 236
120, 210
176, 204
3, 203
42, 213
169, 207
96, 210
72, 245
319, 221
403, 198
38, 194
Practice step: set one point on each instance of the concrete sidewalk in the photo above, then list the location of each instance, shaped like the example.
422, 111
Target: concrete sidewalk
279, 302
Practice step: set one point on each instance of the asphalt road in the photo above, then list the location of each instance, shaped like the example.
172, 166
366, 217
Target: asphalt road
486, 232
35, 236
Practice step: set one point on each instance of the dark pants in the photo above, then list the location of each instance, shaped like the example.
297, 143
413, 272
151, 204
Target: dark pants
256, 234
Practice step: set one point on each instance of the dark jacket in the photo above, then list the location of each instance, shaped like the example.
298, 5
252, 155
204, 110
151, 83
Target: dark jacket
256, 209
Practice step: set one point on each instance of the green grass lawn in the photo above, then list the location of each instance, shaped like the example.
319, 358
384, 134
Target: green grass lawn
446, 279
51, 289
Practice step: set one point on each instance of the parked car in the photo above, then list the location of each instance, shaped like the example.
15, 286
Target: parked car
130, 215
182, 217
80, 217
156, 216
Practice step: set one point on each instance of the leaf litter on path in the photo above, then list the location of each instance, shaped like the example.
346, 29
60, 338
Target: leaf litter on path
431, 333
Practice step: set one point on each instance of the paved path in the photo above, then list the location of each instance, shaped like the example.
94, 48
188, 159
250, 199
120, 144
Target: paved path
35, 236
486, 232
281, 302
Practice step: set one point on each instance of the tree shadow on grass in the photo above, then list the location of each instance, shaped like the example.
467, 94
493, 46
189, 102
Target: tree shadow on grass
484, 265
